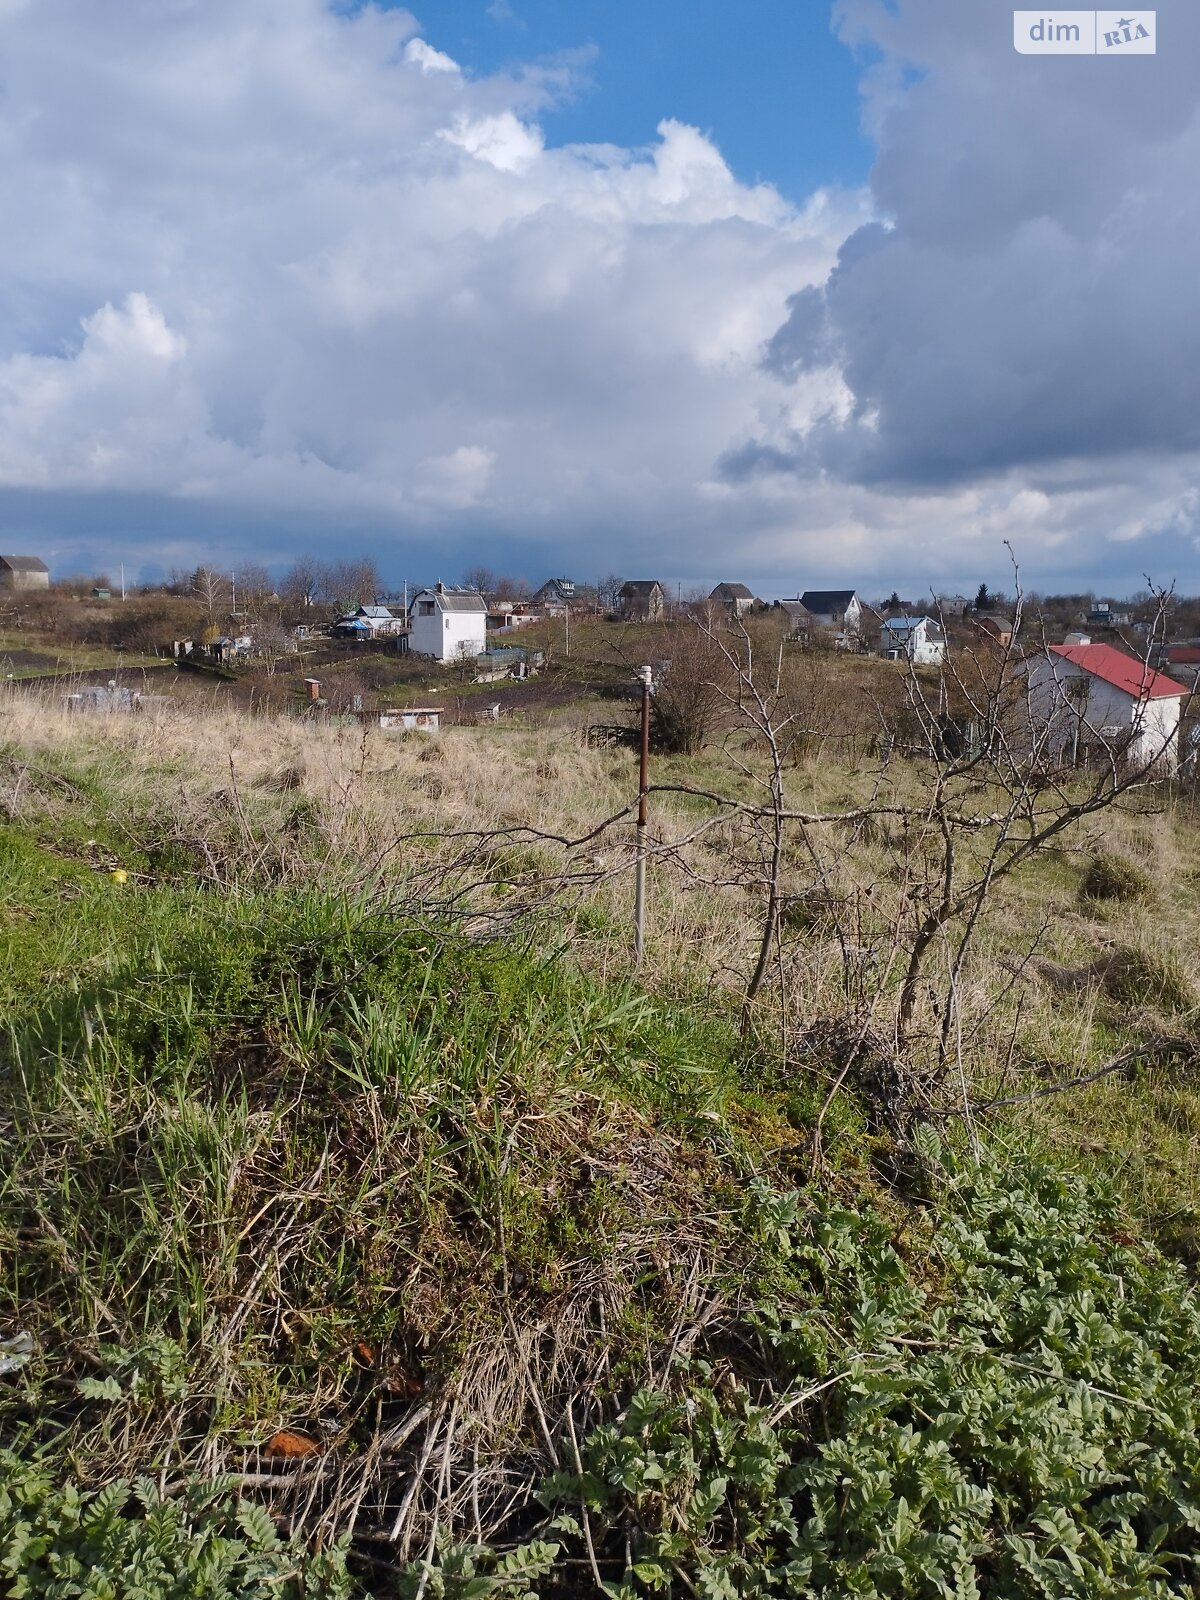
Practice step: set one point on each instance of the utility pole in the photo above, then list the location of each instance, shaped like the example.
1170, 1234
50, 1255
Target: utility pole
122, 580
639, 893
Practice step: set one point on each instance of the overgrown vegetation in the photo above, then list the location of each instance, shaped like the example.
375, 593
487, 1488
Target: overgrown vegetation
365, 1227
1111, 877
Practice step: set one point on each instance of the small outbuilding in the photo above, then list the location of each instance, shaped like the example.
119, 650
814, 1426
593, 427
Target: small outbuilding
992, 628
368, 622
642, 600
24, 572
410, 719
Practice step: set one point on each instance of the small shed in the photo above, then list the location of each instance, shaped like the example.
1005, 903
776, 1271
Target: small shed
642, 600
24, 572
408, 719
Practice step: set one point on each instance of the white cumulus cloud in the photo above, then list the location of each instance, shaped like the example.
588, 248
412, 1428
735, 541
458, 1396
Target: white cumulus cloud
282, 259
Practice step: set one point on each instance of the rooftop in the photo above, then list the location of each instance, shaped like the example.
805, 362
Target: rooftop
1124, 672
24, 563
907, 624
452, 599
826, 601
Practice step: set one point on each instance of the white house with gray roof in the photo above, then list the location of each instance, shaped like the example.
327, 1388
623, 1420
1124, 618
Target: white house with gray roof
839, 609
916, 639
447, 624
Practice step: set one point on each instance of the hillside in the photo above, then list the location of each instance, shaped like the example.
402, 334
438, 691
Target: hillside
371, 1226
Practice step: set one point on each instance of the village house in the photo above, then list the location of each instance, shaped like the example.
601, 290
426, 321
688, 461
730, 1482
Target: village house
641, 600
952, 605
1182, 662
800, 618
448, 624
993, 628
24, 572
368, 622
734, 598
1090, 699
1105, 615
836, 609
916, 639
556, 592
506, 615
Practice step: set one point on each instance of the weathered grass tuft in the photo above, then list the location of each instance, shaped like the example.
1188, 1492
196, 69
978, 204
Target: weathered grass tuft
1113, 877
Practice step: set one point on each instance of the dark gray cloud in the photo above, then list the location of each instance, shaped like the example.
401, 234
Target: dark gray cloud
1032, 299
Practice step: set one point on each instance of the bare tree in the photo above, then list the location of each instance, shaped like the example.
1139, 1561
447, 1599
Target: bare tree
252, 585
212, 589
347, 584
303, 582
690, 692
480, 578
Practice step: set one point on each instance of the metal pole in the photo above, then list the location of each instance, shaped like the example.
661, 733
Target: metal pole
639, 893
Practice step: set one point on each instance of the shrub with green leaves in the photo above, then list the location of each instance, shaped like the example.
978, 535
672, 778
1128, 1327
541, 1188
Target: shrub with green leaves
1019, 1419
133, 1542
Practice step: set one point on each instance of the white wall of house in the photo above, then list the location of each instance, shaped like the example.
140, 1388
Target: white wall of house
1075, 704
446, 635
915, 643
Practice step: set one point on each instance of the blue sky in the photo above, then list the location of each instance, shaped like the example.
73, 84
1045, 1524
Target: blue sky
797, 295
769, 81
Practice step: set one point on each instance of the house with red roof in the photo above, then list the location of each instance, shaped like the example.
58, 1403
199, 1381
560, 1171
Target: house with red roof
1182, 661
1088, 700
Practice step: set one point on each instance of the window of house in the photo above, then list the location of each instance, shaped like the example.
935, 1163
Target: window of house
425, 607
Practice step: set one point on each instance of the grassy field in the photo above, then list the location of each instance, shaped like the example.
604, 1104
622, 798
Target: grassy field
22, 656
376, 1227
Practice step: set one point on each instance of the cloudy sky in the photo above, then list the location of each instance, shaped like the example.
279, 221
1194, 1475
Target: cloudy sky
808, 296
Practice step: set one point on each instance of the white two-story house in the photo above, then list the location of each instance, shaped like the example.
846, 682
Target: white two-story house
916, 639
448, 624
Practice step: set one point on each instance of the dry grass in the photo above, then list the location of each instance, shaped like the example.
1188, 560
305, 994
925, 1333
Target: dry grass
235, 797
531, 1152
